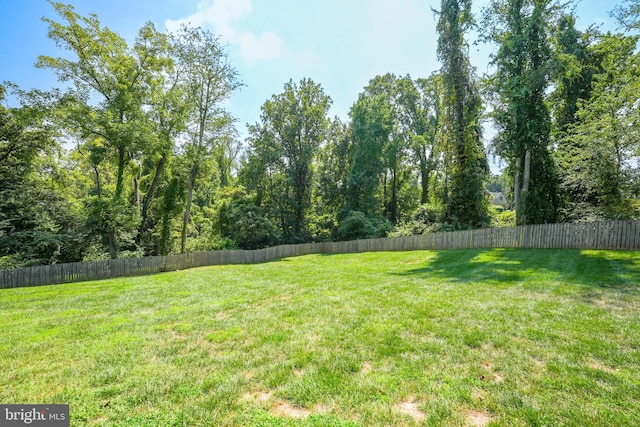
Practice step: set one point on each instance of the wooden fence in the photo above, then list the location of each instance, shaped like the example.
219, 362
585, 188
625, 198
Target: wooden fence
596, 235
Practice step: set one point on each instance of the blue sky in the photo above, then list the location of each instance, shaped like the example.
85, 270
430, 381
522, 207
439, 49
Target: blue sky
340, 44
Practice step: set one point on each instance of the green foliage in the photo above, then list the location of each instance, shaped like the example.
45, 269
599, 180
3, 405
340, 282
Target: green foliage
497, 184
331, 172
283, 147
37, 214
427, 218
208, 80
596, 176
517, 91
371, 125
238, 218
502, 218
157, 160
356, 225
171, 205
465, 158
393, 151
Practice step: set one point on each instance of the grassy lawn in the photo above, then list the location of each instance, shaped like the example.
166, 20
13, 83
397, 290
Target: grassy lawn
453, 338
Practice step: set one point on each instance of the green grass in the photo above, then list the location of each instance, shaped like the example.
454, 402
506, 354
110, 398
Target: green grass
453, 338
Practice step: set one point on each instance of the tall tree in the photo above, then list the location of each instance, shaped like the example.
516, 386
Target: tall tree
208, 80
606, 131
575, 65
167, 112
110, 83
38, 214
371, 128
420, 121
523, 68
461, 106
283, 147
332, 171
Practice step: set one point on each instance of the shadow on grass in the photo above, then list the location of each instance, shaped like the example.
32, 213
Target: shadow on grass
618, 270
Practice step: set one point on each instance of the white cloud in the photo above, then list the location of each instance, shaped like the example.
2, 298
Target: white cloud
222, 17
260, 48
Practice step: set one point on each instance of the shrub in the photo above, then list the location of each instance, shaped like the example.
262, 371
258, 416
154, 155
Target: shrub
356, 225
238, 218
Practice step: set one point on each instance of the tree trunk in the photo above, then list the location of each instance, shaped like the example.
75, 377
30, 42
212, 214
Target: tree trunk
120, 176
525, 185
112, 243
187, 211
98, 181
516, 186
394, 197
520, 197
136, 190
118, 193
146, 200
424, 179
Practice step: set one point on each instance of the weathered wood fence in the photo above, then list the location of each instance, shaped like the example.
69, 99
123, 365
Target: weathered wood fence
596, 235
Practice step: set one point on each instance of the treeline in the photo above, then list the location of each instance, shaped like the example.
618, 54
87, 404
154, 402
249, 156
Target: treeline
157, 166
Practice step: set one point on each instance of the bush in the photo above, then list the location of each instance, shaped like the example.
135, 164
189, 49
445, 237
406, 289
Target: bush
238, 218
425, 219
501, 217
356, 225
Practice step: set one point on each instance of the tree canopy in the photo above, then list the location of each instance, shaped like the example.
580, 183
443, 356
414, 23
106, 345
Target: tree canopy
136, 154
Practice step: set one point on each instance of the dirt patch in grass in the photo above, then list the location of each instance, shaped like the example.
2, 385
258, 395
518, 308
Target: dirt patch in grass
498, 377
285, 409
476, 418
495, 377
279, 408
478, 395
486, 365
176, 335
594, 364
411, 408
257, 396
366, 368
539, 364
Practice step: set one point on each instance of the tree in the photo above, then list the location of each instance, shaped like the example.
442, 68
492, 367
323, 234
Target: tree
332, 172
422, 117
38, 219
110, 83
461, 106
283, 147
371, 127
167, 110
601, 178
517, 90
208, 80
239, 219
575, 65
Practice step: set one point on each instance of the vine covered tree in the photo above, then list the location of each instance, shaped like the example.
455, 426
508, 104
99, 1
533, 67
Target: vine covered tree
523, 64
461, 112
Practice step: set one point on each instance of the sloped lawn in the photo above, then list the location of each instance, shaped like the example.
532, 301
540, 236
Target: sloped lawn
452, 338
